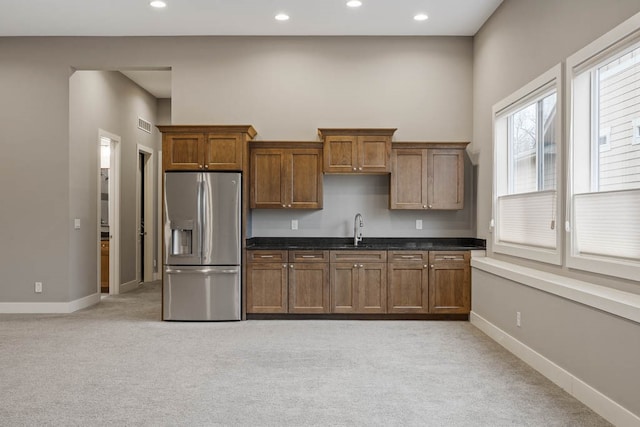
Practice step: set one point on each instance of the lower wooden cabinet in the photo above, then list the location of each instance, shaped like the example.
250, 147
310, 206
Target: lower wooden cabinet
358, 282
104, 266
288, 282
267, 287
408, 282
309, 287
267, 281
449, 282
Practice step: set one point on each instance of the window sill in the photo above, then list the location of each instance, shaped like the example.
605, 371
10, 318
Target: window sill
613, 301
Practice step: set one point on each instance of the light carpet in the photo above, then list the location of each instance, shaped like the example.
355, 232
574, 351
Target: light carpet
118, 364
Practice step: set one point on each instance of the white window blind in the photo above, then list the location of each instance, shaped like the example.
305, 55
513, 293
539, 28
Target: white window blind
608, 224
528, 219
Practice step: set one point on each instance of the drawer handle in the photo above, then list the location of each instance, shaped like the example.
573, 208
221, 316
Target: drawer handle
407, 256
266, 256
451, 257
308, 256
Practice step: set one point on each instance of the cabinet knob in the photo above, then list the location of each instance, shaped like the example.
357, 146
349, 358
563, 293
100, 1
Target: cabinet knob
361, 266
430, 206
200, 166
284, 206
284, 265
288, 206
355, 265
432, 265
291, 266
424, 206
360, 168
425, 266
354, 168
206, 166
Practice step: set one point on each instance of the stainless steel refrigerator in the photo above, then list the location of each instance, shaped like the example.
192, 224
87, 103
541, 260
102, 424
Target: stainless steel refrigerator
202, 246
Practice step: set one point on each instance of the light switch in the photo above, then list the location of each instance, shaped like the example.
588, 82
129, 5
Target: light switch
418, 224
76, 223
294, 224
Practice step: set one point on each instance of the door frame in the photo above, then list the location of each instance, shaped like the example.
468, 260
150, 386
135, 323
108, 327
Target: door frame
147, 181
160, 219
114, 212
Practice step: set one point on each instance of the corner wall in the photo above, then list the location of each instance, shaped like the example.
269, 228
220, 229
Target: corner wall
519, 42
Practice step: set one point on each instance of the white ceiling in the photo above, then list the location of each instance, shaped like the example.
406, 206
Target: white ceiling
238, 18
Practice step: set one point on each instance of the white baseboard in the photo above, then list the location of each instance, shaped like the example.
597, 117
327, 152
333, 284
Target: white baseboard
598, 402
129, 286
49, 307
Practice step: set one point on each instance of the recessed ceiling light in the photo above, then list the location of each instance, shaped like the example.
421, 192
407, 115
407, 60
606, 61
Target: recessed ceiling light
354, 3
421, 17
158, 4
282, 17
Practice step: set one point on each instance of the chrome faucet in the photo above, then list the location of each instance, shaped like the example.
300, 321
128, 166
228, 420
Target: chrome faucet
358, 225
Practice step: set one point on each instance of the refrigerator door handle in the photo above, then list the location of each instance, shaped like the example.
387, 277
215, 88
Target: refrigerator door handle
201, 271
201, 207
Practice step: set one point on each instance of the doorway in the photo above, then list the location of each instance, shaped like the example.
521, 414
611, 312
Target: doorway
108, 213
144, 209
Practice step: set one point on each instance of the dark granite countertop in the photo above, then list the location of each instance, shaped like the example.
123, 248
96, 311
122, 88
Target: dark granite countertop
369, 243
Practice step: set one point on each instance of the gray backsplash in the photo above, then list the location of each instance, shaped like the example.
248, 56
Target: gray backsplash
346, 195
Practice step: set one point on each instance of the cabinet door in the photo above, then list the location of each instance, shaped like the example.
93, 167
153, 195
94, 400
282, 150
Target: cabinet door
449, 282
267, 185
309, 288
303, 179
445, 179
374, 153
340, 154
408, 287
344, 293
183, 151
372, 288
104, 266
267, 288
223, 152
408, 188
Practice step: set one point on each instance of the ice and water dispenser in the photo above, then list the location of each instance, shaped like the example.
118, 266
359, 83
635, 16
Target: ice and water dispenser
181, 238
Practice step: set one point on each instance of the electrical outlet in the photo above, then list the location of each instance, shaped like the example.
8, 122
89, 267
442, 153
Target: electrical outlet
294, 224
38, 287
418, 224
518, 319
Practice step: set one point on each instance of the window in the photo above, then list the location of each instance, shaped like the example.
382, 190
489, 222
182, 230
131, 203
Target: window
532, 146
526, 140
604, 197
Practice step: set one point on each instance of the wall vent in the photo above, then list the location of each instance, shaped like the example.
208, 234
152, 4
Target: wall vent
144, 125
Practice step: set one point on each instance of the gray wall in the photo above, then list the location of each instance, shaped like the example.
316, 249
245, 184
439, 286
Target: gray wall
519, 42
110, 101
286, 87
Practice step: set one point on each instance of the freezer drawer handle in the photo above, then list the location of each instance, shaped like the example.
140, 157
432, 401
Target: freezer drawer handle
200, 271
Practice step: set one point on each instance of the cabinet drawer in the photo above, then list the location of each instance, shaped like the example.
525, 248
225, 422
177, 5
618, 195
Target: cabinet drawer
358, 256
266, 256
308, 256
408, 256
446, 256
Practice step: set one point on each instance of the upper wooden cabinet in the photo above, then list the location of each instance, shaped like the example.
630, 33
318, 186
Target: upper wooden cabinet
204, 147
427, 175
356, 150
286, 175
